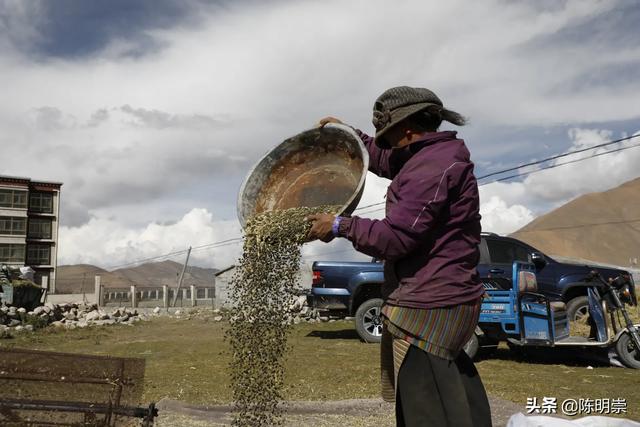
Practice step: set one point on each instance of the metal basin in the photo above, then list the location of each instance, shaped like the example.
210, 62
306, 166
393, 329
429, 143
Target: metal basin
316, 167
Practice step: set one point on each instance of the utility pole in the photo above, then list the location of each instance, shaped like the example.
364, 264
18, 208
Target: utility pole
184, 268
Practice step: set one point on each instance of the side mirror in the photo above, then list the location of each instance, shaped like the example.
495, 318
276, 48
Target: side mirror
538, 260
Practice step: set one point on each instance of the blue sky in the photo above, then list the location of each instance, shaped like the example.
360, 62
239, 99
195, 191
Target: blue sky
152, 112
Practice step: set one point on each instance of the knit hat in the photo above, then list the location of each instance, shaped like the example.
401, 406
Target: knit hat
398, 103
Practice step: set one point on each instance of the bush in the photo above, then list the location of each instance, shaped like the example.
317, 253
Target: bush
36, 321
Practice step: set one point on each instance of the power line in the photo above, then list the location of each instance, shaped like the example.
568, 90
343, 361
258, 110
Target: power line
362, 208
559, 164
148, 259
558, 156
176, 253
541, 169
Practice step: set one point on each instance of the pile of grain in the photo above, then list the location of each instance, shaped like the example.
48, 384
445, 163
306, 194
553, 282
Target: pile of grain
262, 288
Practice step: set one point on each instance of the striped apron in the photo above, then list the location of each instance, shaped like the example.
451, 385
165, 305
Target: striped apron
442, 332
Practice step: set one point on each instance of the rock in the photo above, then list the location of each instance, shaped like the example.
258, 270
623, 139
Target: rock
349, 318
70, 325
217, 318
57, 324
104, 316
85, 308
70, 316
116, 313
92, 316
124, 317
82, 324
19, 328
38, 311
332, 320
48, 309
22, 310
4, 309
156, 310
29, 328
216, 311
296, 320
14, 323
323, 318
178, 312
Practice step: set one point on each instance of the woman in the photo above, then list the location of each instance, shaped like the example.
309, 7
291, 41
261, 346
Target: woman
429, 240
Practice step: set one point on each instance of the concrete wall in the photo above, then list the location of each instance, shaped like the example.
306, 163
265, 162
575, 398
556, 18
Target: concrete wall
71, 298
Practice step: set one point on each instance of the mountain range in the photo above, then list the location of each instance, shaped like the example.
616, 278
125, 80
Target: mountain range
80, 277
602, 227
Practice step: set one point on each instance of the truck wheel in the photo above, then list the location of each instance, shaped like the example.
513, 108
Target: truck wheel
369, 320
578, 309
627, 351
472, 346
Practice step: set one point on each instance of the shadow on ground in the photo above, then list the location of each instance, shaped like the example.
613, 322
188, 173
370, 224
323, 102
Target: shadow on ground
549, 356
344, 334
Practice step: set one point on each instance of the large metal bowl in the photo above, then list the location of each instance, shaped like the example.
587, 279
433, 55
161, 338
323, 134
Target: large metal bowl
320, 166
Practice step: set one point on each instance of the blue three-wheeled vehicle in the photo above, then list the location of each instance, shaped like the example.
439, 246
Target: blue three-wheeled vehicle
514, 312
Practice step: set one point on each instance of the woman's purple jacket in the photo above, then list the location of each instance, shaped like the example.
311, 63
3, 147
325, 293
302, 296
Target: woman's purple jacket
429, 238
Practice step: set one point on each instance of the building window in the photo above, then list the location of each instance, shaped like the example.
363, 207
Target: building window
39, 228
13, 226
10, 252
41, 202
13, 198
38, 254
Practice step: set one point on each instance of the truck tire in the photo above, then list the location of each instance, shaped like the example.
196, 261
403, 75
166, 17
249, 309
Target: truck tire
369, 320
472, 346
627, 351
578, 309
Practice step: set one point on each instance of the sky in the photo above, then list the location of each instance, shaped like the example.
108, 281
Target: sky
152, 112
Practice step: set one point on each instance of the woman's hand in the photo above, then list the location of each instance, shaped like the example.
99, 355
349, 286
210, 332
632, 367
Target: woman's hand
321, 227
328, 119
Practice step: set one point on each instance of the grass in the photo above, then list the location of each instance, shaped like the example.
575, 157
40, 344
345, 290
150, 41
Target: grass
187, 360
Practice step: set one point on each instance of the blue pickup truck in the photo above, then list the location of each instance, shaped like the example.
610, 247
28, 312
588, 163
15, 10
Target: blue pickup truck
353, 288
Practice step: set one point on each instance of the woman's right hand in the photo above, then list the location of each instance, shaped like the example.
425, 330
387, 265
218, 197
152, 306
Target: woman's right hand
328, 119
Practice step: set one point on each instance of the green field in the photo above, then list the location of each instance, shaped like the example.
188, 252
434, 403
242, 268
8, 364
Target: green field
187, 360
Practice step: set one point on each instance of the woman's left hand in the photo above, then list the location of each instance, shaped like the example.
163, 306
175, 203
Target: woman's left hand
321, 227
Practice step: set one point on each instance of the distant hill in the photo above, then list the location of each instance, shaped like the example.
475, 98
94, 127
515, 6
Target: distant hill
70, 278
603, 227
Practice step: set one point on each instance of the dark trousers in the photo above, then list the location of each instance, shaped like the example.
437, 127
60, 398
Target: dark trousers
432, 391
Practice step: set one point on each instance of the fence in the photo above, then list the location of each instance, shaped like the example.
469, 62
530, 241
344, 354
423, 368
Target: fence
134, 296
141, 296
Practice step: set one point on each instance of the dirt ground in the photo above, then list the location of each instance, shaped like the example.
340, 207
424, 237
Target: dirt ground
337, 413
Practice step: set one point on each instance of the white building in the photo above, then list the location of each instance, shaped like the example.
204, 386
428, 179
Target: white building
29, 220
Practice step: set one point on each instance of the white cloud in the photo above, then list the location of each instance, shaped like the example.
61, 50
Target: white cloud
108, 243
499, 218
596, 174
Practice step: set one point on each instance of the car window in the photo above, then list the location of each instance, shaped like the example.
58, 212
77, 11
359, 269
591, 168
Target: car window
504, 252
